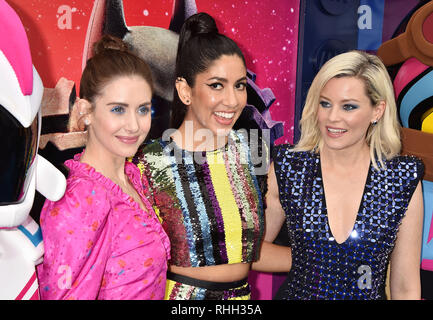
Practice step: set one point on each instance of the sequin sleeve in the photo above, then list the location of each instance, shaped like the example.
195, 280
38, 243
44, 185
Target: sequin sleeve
280, 158
146, 178
259, 153
77, 242
413, 166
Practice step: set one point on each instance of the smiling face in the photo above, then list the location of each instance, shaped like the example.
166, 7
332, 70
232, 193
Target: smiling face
121, 117
345, 113
218, 96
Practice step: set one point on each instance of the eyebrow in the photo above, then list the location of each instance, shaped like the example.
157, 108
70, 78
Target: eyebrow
123, 104
344, 100
225, 80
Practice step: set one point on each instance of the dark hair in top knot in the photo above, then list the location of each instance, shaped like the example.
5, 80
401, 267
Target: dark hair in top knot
200, 44
200, 23
108, 42
111, 59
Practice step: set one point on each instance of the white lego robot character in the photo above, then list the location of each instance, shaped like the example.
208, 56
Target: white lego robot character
22, 170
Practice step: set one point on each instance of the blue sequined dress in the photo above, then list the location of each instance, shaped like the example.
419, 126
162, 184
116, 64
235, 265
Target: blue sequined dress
356, 268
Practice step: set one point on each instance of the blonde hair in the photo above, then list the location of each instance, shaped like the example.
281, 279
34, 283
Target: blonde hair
382, 138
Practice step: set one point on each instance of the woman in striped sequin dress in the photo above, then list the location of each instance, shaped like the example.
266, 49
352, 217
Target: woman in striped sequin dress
204, 181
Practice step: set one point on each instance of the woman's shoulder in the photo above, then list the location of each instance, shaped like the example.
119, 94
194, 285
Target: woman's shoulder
283, 148
407, 163
286, 151
86, 189
84, 178
286, 160
151, 149
83, 199
405, 169
152, 146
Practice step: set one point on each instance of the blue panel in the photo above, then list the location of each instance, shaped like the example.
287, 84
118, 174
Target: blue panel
326, 28
370, 24
427, 247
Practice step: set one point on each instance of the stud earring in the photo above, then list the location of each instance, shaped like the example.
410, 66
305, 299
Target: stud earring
86, 122
374, 122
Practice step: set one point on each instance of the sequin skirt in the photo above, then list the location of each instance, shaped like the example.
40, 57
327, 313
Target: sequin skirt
185, 288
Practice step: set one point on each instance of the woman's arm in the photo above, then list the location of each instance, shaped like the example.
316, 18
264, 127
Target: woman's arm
405, 258
273, 258
76, 244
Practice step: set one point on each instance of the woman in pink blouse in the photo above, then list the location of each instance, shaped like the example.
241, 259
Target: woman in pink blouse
102, 239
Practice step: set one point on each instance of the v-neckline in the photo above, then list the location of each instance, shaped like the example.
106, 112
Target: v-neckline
367, 181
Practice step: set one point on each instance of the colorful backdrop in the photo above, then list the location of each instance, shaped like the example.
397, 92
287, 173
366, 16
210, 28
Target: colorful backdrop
266, 31
284, 41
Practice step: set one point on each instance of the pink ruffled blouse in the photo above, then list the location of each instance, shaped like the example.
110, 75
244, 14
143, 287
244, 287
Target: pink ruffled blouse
99, 243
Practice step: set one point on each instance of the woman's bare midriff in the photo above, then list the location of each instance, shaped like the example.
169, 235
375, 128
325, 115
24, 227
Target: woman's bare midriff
218, 273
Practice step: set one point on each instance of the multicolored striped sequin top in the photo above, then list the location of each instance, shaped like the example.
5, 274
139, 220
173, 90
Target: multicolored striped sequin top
322, 268
210, 203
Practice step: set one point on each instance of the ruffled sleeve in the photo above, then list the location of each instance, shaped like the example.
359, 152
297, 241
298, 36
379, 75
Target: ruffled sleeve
77, 242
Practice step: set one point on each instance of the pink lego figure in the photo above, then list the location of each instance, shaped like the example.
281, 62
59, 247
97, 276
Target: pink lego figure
22, 170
